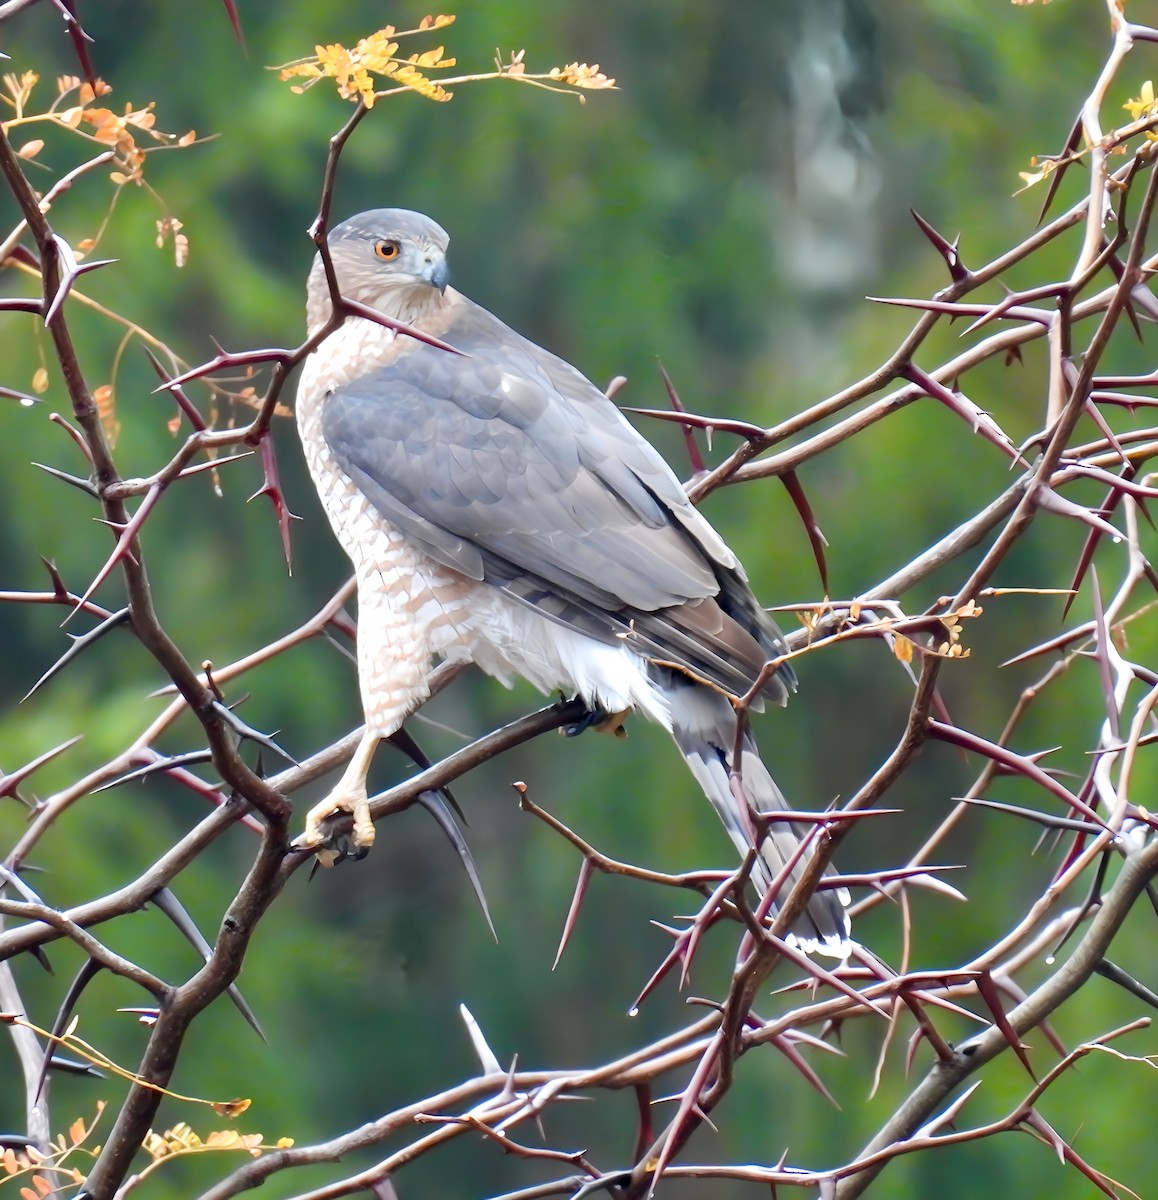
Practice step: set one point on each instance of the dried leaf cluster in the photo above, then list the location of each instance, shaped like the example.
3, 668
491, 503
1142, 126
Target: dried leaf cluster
356, 70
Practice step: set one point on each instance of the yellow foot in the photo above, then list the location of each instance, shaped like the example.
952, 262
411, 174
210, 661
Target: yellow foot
601, 721
314, 837
614, 724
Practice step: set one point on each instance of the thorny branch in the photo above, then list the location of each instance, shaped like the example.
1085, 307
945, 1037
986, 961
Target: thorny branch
1108, 867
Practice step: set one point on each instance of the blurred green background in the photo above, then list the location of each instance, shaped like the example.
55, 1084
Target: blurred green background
725, 212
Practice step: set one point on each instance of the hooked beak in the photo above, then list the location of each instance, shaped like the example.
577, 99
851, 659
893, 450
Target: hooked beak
434, 272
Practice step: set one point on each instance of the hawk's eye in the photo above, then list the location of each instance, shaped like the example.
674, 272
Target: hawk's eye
387, 250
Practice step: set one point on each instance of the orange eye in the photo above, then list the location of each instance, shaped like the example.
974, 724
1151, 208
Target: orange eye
387, 251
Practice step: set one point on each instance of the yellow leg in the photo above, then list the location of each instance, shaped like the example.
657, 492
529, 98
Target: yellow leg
613, 724
348, 795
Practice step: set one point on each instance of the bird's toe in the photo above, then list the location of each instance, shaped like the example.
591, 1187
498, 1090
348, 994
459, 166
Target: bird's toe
330, 846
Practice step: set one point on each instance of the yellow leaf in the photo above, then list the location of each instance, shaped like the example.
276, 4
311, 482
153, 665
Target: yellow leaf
182, 1137
187, 139
1143, 104
333, 59
309, 69
375, 52
76, 1131
1048, 166
40, 380
411, 78
582, 75
90, 91
231, 1108
106, 405
438, 22
903, 648
143, 118
31, 149
284, 1143
21, 86
154, 1146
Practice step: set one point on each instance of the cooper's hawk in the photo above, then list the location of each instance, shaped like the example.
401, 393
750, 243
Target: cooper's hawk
499, 509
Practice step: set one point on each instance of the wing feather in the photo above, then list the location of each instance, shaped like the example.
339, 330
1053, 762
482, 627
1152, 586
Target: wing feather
507, 464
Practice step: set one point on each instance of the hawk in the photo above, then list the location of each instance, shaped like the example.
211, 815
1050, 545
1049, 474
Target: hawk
499, 509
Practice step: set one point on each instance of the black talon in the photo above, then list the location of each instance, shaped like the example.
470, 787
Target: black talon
592, 718
342, 847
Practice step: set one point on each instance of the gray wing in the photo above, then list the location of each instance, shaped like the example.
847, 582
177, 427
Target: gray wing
508, 465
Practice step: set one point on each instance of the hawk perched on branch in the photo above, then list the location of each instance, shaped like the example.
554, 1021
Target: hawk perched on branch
499, 509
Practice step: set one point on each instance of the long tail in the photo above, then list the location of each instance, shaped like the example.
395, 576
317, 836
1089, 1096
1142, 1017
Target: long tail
704, 727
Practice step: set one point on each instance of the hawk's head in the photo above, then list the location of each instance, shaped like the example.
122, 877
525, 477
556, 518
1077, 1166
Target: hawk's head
391, 259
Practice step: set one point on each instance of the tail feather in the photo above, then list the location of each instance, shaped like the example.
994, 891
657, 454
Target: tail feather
703, 724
